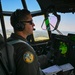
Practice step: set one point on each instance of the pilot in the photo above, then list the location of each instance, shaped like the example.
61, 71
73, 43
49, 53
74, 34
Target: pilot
25, 57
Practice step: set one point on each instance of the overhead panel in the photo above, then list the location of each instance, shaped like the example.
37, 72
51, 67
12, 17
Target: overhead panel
62, 6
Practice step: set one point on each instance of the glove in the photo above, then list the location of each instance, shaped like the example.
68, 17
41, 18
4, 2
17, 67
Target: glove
48, 55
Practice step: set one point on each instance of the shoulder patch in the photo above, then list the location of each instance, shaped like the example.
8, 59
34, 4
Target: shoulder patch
28, 57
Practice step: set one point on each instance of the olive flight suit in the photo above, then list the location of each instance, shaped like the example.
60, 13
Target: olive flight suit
26, 60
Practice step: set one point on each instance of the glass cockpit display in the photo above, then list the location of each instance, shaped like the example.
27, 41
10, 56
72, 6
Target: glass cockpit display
63, 47
39, 36
71, 37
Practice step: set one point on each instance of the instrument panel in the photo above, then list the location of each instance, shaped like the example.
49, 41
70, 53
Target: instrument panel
61, 47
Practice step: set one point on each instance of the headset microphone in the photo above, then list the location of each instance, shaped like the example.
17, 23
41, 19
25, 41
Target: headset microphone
34, 29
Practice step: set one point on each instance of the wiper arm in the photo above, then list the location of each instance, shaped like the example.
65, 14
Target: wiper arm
58, 20
56, 29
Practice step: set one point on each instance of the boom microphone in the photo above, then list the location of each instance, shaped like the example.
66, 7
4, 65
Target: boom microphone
34, 29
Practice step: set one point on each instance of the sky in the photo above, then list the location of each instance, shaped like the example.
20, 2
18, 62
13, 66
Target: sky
67, 22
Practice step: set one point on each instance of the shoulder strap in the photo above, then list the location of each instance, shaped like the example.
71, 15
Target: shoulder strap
17, 41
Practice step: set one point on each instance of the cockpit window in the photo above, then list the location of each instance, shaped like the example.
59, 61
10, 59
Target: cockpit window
32, 5
40, 33
11, 5
66, 25
9, 28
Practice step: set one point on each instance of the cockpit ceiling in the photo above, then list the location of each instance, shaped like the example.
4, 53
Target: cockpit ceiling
63, 6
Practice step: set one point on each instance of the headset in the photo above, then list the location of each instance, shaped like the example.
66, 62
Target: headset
19, 25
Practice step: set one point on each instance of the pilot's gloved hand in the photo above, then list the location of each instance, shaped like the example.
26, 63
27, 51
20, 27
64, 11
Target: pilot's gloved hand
48, 55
